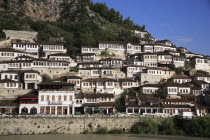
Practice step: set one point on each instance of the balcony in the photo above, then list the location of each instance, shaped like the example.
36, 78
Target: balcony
54, 102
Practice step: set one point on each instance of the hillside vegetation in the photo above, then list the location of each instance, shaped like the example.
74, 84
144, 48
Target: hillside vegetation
78, 23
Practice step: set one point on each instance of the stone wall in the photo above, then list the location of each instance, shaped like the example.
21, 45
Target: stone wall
22, 35
67, 125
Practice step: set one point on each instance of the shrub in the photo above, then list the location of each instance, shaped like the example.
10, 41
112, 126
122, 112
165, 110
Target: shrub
46, 78
146, 126
85, 132
116, 131
101, 130
200, 127
168, 127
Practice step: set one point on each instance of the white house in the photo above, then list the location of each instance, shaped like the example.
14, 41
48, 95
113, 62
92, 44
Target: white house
56, 98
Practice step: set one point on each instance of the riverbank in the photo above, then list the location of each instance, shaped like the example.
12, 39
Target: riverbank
97, 137
199, 127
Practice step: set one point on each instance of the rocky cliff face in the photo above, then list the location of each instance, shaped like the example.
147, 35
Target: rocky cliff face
48, 10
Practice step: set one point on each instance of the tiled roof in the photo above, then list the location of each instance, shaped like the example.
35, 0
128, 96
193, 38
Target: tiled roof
152, 85
8, 81
99, 80
55, 84
59, 54
126, 80
110, 59
180, 77
10, 50
173, 84
199, 82
159, 68
21, 71
200, 75
99, 95
79, 96
26, 43
100, 104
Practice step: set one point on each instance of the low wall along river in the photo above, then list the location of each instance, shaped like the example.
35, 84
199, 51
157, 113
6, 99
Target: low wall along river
71, 125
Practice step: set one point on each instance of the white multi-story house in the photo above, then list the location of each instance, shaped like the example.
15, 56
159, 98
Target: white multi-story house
179, 61
9, 84
150, 88
202, 77
164, 58
145, 59
153, 75
181, 79
56, 98
112, 63
90, 65
100, 72
133, 70
10, 53
118, 48
164, 42
28, 78
201, 63
87, 49
52, 49
128, 83
62, 57
76, 80
99, 103
86, 57
133, 48
148, 48
27, 47
98, 85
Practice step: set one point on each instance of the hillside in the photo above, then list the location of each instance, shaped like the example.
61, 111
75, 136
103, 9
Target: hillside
73, 23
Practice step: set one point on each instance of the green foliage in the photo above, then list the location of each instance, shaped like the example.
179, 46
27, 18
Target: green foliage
114, 16
46, 78
116, 131
129, 93
189, 64
200, 127
146, 126
101, 130
179, 70
168, 127
172, 66
75, 28
105, 53
74, 69
85, 132
161, 93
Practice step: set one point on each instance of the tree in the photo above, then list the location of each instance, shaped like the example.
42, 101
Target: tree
146, 126
179, 70
143, 28
161, 93
46, 78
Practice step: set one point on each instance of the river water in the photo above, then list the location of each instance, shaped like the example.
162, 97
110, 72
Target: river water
94, 137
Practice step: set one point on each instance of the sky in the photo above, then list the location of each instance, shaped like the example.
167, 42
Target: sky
185, 22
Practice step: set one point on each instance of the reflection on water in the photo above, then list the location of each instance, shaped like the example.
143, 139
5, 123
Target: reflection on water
94, 137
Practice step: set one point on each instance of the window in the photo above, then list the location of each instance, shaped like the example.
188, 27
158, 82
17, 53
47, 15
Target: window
59, 98
53, 98
70, 98
42, 98
65, 98
48, 97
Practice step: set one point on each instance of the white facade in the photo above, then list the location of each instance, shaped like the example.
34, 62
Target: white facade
56, 102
